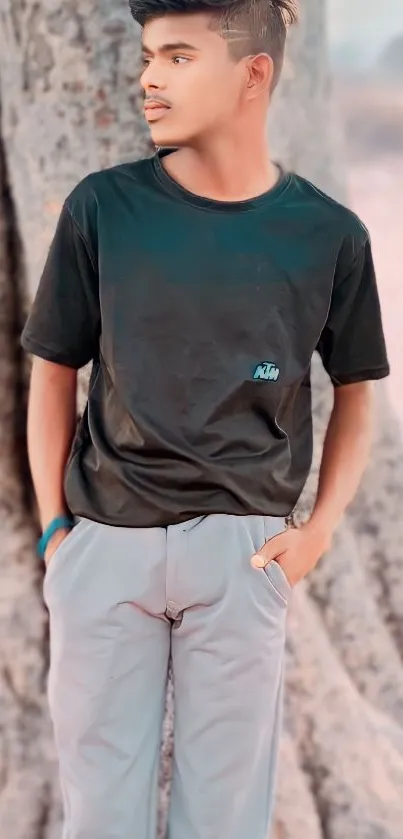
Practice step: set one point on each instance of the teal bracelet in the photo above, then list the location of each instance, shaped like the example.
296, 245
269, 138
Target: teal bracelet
57, 524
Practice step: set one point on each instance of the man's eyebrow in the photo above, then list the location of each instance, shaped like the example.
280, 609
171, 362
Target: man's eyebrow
176, 45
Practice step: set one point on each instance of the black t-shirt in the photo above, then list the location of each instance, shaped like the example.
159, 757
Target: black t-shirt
201, 318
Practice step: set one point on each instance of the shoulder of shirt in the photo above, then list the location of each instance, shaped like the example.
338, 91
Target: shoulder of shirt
347, 221
94, 185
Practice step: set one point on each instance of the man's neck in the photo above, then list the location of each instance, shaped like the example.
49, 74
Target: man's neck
227, 171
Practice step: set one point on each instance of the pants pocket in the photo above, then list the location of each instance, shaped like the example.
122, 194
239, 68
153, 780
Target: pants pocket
61, 553
273, 571
278, 581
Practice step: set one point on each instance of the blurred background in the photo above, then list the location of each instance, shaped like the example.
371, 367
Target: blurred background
366, 58
70, 103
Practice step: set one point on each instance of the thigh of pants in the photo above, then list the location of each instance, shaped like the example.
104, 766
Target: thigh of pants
110, 645
227, 665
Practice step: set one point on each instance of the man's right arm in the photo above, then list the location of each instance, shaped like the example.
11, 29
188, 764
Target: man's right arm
62, 333
51, 428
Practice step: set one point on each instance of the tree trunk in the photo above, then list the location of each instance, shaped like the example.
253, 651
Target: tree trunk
70, 100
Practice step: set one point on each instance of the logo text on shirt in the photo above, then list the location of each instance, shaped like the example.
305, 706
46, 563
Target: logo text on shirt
266, 371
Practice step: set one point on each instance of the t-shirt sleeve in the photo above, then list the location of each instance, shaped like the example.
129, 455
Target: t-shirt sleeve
352, 343
64, 323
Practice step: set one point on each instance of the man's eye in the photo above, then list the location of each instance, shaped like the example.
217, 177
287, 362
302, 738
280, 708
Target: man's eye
146, 62
178, 59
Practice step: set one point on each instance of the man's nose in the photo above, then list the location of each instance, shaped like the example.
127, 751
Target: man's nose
152, 78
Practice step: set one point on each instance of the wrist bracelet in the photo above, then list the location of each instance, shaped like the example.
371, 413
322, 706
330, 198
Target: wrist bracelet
57, 524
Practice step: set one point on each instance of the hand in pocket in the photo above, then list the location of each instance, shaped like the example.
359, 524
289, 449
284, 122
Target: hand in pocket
55, 543
297, 551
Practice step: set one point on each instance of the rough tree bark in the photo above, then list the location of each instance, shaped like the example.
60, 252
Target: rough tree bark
70, 99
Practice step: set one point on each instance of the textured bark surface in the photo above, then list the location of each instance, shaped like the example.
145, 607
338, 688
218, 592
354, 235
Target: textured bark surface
70, 104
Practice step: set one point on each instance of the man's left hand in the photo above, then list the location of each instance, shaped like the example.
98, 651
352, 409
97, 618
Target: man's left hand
297, 550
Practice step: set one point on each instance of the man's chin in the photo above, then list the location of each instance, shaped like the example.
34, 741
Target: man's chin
166, 139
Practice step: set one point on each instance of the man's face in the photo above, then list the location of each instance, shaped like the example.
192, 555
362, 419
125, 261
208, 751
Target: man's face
189, 71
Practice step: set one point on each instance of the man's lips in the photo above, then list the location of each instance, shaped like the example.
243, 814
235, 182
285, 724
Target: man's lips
153, 103
153, 109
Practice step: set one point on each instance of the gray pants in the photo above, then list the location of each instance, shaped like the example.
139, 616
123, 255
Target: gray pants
121, 602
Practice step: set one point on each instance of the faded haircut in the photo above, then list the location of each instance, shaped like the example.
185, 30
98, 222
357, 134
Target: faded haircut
250, 26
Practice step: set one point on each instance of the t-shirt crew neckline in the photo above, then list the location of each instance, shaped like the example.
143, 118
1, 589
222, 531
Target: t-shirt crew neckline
181, 193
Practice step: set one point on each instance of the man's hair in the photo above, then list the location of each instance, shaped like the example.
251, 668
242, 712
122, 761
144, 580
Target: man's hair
249, 26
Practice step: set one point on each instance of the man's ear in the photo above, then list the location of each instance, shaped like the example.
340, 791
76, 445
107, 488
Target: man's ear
260, 69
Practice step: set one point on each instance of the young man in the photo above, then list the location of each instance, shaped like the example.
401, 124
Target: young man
199, 282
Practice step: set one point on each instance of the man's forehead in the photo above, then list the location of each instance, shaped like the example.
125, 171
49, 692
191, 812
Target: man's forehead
189, 30
179, 26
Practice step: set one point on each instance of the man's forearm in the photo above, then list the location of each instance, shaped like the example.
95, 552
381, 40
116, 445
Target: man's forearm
345, 454
51, 428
